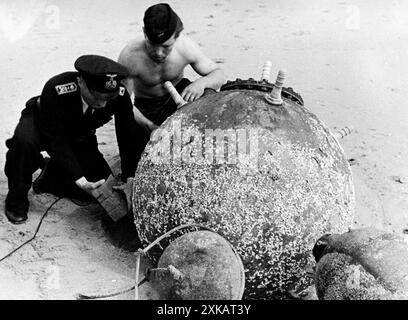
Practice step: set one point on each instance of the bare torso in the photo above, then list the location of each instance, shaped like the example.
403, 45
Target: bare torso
147, 76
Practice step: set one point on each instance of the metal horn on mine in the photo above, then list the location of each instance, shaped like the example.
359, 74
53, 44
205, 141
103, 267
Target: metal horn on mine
174, 94
266, 71
340, 134
274, 97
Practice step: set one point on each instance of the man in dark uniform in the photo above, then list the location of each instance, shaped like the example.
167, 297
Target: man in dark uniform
63, 121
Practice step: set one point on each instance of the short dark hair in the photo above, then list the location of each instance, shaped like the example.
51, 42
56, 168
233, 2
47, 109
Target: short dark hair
161, 22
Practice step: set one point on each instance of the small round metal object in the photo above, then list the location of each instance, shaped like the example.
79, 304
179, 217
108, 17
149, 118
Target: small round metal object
210, 269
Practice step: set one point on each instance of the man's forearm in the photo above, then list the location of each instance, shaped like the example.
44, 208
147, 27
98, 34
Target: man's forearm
142, 121
214, 80
128, 83
139, 117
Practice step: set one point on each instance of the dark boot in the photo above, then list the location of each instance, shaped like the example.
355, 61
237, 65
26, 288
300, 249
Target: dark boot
16, 208
39, 184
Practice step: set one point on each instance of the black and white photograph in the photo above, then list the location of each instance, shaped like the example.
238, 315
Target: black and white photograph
203, 150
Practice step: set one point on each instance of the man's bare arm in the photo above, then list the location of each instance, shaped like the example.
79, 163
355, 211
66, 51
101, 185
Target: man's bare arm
128, 83
126, 60
211, 75
145, 123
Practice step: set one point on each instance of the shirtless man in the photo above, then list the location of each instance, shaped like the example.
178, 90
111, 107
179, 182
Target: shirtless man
162, 56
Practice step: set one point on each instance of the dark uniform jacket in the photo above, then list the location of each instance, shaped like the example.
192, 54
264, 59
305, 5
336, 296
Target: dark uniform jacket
64, 127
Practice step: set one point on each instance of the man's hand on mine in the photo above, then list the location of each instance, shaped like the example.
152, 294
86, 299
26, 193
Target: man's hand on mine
193, 91
148, 125
89, 187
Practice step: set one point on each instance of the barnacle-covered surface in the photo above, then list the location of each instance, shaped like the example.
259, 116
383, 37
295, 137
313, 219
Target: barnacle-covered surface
210, 269
363, 264
270, 179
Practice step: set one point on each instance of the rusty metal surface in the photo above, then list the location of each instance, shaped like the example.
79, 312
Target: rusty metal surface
264, 86
272, 204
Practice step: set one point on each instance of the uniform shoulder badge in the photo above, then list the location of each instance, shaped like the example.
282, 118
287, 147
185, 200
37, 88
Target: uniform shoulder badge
122, 91
66, 88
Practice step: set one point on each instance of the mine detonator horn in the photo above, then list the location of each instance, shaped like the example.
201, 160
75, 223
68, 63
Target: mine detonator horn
174, 94
159, 274
266, 71
274, 97
340, 134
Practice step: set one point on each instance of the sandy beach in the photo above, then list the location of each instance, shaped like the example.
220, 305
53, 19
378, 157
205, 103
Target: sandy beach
346, 58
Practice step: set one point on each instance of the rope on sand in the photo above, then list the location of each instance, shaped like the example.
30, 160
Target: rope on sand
35, 233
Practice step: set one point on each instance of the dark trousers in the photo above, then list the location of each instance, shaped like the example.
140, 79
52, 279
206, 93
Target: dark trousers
23, 158
156, 110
